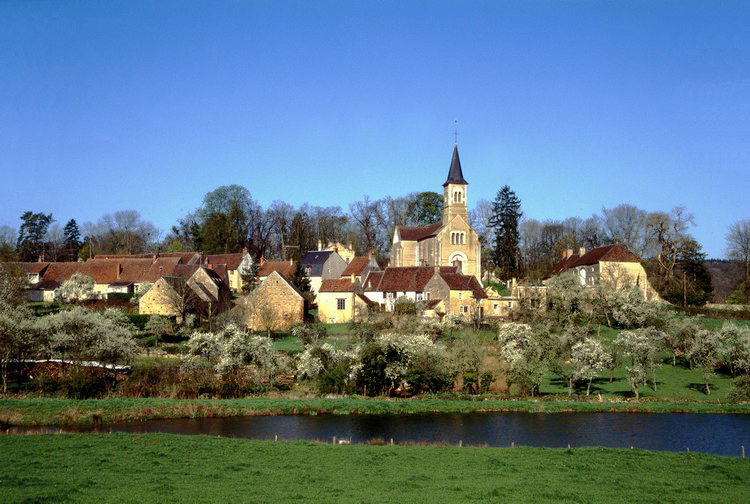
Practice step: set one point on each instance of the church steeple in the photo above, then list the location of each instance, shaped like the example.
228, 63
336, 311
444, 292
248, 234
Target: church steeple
455, 175
455, 191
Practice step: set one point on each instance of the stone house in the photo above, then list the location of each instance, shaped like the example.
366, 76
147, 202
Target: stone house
276, 304
194, 289
450, 242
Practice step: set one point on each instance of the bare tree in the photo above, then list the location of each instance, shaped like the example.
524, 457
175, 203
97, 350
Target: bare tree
365, 215
626, 224
670, 233
738, 247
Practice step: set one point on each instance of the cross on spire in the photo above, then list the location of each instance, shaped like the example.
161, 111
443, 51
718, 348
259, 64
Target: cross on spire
455, 131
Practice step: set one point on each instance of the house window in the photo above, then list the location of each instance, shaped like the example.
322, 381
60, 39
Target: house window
427, 296
341, 303
389, 295
460, 295
419, 296
464, 309
308, 270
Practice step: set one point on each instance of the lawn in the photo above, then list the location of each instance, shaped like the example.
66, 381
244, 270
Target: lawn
168, 468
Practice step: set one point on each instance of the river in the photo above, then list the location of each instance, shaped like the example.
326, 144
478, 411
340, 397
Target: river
721, 434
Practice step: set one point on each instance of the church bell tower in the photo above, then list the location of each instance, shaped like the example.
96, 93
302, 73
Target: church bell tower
455, 191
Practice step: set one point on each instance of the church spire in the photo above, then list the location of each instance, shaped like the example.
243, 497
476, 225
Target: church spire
455, 175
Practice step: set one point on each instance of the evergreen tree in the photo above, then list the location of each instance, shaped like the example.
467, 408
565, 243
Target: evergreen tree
249, 273
506, 212
695, 286
72, 240
31, 235
301, 281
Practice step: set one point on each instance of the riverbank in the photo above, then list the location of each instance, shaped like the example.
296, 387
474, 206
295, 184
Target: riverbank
170, 468
51, 411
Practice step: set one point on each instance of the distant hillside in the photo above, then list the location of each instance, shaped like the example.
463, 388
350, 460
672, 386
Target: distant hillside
725, 275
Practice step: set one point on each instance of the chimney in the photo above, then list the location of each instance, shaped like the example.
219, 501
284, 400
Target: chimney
581, 251
119, 270
262, 260
336, 248
569, 252
352, 278
245, 249
437, 269
320, 245
372, 253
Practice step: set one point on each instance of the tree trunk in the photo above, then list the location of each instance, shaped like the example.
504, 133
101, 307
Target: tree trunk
708, 389
637, 395
588, 389
653, 372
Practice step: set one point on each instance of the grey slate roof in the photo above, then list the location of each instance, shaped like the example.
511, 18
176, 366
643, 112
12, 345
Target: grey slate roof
455, 175
316, 259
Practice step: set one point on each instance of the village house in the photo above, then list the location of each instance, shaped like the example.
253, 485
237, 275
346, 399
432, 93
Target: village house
613, 265
361, 266
276, 304
320, 265
194, 289
341, 300
450, 242
428, 285
345, 251
286, 268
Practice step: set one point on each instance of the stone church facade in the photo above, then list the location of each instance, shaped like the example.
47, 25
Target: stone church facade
450, 242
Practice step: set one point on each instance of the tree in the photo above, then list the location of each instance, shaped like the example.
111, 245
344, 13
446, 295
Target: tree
72, 240
248, 271
589, 359
301, 281
694, 286
669, 231
82, 335
506, 213
704, 351
522, 350
738, 248
78, 287
364, 213
19, 338
426, 208
30, 244
640, 349
12, 284
158, 326
626, 224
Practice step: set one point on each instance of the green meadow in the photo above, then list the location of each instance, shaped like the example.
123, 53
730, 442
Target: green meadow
169, 468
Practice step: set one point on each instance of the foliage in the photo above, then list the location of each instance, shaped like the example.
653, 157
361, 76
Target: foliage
404, 306
81, 335
738, 247
640, 347
20, 338
72, 236
301, 281
309, 334
78, 287
523, 352
12, 283
704, 350
736, 347
589, 359
234, 348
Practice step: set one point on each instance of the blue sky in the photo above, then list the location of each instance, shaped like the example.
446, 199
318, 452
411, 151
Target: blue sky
576, 105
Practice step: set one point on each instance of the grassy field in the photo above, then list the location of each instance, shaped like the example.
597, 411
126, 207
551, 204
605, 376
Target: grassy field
168, 468
51, 411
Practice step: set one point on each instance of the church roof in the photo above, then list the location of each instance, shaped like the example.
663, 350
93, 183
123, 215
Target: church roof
416, 233
455, 175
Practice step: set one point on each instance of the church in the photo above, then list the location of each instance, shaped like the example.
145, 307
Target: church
450, 242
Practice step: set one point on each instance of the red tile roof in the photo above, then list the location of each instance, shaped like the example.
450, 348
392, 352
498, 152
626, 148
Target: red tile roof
409, 278
338, 285
231, 260
611, 253
286, 268
356, 265
372, 280
417, 233
457, 281
29, 267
